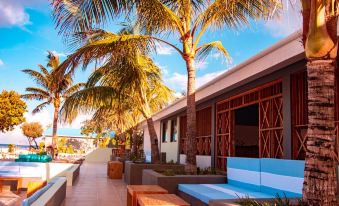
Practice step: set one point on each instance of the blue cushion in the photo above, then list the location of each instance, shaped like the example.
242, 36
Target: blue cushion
35, 196
244, 172
282, 177
206, 192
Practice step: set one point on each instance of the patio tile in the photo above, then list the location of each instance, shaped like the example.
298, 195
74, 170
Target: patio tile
94, 188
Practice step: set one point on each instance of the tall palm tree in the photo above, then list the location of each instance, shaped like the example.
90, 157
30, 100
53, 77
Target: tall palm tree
187, 19
51, 91
321, 48
132, 79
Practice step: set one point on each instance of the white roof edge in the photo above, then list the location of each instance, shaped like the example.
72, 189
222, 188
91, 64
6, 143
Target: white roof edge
293, 37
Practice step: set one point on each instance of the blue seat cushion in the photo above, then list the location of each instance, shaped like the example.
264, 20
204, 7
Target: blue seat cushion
206, 192
282, 177
244, 172
36, 195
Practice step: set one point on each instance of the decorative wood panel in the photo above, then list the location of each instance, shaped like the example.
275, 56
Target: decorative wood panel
269, 98
204, 126
182, 138
299, 114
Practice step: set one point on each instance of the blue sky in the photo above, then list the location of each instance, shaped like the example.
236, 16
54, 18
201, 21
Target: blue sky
27, 31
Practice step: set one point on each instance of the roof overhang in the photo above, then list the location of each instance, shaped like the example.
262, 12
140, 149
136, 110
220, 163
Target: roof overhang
278, 56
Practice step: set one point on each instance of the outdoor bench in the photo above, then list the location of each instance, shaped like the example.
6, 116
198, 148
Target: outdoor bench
53, 194
254, 178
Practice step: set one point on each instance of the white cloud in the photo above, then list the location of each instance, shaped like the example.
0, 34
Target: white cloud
1, 63
12, 13
179, 81
164, 49
77, 123
59, 54
163, 69
289, 21
200, 65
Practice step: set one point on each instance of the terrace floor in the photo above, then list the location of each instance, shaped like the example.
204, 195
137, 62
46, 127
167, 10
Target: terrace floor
93, 188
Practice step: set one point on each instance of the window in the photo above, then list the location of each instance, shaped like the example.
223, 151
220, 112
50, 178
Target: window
174, 131
164, 131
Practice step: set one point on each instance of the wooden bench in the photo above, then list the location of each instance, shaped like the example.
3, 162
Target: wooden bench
18, 179
133, 191
160, 200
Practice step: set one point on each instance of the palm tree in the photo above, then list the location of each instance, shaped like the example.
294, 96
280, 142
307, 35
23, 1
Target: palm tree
51, 92
123, 83
321, 45
188, 20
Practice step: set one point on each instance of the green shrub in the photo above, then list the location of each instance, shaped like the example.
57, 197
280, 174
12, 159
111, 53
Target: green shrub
278, 201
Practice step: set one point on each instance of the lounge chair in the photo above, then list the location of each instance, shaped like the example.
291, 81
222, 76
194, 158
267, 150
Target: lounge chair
250, 177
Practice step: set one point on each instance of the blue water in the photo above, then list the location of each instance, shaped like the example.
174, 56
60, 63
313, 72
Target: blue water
18, 146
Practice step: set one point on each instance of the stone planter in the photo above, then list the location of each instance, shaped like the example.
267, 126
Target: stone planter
133, 171
170, 183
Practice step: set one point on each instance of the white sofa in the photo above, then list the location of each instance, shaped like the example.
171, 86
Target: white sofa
45, 171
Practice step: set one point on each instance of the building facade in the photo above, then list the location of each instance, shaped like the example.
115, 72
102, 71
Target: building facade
257, 109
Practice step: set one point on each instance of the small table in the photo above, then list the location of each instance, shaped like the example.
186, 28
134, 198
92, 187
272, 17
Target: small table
114, 169
133, 191
18, 179
161, 200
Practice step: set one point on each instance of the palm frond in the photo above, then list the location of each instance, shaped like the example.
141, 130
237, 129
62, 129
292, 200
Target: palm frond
33, 96
38, 91
87, 100
39, 78
73, 16
156, 17
40, 107
204, 50
75, 88
44, 70
236, 13
109, 43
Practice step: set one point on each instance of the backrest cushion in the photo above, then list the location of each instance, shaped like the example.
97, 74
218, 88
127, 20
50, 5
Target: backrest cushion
36, 195
32, 169
9, 168
244, 172
282, 177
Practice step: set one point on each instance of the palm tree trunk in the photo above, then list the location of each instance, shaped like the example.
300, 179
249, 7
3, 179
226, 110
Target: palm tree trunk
55, 123
154, 141
134, 142
320, 184
191, 113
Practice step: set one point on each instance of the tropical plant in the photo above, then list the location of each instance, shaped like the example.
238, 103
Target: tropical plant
12, 110
278, 201
127, 87
11, 148
53, 89
123, 93
32, 130
188, 20
42, 146
320, 40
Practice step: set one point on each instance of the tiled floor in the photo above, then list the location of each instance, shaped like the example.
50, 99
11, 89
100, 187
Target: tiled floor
94, 188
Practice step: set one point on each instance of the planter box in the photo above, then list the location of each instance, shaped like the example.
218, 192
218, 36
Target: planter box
170, 183
133, 171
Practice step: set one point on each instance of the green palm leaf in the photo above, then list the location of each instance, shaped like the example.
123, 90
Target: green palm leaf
82, 15
204, 50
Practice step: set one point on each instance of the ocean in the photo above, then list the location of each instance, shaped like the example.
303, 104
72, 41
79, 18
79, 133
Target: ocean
5, 146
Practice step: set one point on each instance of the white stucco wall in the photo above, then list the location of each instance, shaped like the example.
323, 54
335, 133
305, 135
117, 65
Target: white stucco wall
171, 148
147, 141
202, 161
